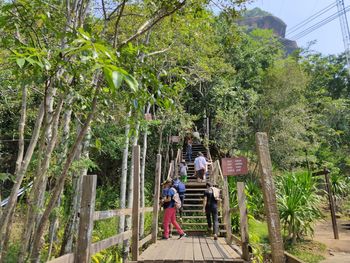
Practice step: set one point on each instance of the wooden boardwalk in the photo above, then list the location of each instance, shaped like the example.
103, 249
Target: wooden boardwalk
190, 249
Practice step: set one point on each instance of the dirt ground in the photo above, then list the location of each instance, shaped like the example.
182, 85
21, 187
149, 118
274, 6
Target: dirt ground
338, 250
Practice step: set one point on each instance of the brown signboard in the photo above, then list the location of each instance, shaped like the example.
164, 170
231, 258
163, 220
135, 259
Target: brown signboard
234, 166
148, 116
175, 139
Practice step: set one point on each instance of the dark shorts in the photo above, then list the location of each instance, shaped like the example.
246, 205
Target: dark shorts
200, 174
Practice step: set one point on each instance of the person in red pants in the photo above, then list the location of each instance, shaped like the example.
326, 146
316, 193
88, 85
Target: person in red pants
170, 210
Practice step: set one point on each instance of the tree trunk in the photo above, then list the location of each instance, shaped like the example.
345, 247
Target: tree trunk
51, 136
6, 218
167, 161
123, 181
142, 178
27, 231
60, 182
21, 127
54, 221
130, 191
37, 198
72, 225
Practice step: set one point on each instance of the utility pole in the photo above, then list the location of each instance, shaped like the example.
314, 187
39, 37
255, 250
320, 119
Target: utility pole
344, 25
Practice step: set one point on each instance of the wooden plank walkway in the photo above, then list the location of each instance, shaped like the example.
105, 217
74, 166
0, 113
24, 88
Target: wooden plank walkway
190, 249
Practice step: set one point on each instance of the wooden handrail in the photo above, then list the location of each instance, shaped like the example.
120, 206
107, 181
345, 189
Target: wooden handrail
67, 258
170, 170
108, 242
100, 215
88, 215
145, 240
178, 156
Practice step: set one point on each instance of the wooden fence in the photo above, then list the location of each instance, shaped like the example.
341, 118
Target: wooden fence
88, 215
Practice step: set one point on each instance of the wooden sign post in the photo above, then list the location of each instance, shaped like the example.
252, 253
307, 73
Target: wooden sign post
331, 204
269, 194
243, 216
238, 166
326, 172
87, 209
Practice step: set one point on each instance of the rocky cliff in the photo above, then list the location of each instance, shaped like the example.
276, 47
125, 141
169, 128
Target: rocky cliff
258, 18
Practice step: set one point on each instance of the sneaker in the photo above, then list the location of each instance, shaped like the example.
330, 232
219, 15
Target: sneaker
182, 235
164, 238
170, 236
215, 237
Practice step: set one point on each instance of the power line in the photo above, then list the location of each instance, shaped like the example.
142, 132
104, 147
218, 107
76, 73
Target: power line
316, 26
311, 18
319, 24
344, 25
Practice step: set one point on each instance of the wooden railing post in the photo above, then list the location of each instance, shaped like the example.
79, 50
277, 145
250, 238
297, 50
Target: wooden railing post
172, 174
171, 170
156, 198
243, 216
269, 195
215, 173
87, 209
227, 217
176, 168
331, 204
136, 205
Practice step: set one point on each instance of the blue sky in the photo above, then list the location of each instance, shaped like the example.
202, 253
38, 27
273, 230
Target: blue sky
329, 38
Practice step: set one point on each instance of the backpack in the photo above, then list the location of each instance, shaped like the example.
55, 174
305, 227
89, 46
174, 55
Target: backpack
179, 186
216, 193
177, 199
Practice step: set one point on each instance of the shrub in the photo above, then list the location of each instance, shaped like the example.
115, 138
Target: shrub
298, 203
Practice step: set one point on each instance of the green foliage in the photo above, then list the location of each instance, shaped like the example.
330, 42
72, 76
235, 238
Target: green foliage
254, 198
298, 203
104, 229
12, 256
258, 237
340, 185
107, 197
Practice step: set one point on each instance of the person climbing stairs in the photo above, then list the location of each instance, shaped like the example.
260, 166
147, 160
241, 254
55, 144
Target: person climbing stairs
194, 220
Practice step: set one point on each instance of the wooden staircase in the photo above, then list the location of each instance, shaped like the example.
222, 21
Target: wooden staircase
194, 221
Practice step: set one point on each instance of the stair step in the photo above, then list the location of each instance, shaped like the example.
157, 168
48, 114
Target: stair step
195, 184
193, 194
193, 199
188, 205
197, 217
193, 211
195, 189
199, 224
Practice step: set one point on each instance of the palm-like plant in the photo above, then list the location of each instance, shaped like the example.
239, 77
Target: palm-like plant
298, 203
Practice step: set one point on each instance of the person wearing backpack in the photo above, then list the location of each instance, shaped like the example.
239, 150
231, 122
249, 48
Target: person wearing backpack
210, 207
171, 201
200, 167
183, 171
181, 189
